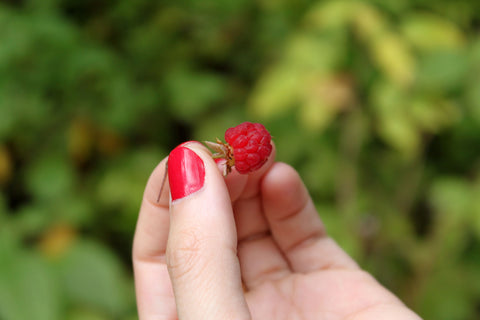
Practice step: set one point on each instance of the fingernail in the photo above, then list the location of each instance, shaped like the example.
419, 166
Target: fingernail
186, 172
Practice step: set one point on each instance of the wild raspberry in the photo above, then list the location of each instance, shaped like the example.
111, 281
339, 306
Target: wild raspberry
251, 146
248, 147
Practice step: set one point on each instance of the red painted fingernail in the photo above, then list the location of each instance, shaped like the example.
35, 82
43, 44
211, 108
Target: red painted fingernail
186, 172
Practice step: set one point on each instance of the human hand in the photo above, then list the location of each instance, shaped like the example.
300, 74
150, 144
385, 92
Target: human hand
244, 247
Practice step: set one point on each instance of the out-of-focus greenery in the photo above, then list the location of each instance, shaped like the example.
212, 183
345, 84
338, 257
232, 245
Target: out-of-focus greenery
376, 103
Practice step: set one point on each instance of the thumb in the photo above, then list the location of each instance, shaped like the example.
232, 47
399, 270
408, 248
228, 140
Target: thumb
201, 249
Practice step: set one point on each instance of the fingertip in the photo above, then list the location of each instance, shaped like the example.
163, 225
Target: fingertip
281, 173
283, 188
276, 174
190, 166
236, 184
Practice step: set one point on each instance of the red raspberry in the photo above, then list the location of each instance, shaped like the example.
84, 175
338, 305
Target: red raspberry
248, 147
251, 146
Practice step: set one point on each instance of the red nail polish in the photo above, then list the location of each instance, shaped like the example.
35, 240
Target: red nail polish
186, 172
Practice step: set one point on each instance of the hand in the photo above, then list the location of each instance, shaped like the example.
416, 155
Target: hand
244, 247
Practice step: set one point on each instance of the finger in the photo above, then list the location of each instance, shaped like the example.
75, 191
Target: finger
260, 258
152, 284
295, 224
201, 250
245, 194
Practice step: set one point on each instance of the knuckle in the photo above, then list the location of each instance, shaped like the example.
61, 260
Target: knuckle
186, 256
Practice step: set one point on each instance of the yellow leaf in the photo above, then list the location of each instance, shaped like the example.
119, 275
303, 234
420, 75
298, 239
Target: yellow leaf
57, 240
394, 58
315, 115
275, 92
308, 54
368, 22
332, 14
335, 90
430, 32
81, 138
401, 134
395, 124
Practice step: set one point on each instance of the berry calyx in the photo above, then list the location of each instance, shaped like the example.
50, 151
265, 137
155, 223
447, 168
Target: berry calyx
247, 148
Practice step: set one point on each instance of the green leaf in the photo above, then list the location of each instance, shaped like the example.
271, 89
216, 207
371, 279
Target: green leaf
473, 99
319, 179
192, 92
434, 115
442, 70
395, 125
28, 289
93, 277
438, 303
86, 315
306, 57
51, 177
121, 186
31, 220
451, 197
475, 211
341, 230
215, 125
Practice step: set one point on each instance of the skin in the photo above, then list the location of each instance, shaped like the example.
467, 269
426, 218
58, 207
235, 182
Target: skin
247, 247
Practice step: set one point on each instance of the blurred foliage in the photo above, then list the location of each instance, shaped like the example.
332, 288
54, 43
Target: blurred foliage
376, 103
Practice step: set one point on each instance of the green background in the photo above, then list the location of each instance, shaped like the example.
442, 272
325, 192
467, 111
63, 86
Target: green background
376, 104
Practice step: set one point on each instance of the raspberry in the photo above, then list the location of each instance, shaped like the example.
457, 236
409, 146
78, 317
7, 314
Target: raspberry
251, 146
248, 147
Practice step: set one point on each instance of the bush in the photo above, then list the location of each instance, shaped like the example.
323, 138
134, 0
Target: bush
376, 103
